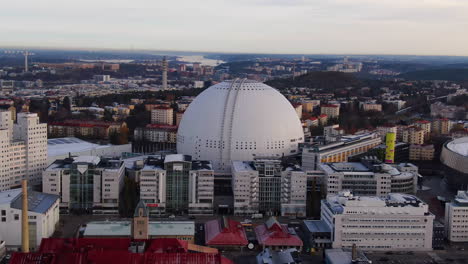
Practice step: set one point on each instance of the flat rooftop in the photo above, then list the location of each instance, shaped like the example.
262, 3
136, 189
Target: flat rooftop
63, 146
123, 228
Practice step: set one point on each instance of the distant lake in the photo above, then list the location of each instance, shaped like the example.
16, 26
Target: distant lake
200, 59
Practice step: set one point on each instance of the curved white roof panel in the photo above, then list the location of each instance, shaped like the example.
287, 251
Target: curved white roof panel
459, 145
239, 120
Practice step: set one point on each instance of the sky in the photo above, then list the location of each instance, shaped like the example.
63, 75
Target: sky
418, 27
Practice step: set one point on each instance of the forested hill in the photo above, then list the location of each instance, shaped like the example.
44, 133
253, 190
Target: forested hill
437, 74
323, 80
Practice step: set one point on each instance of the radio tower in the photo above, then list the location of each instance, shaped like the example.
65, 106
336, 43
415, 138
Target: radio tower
164, 73
26, 54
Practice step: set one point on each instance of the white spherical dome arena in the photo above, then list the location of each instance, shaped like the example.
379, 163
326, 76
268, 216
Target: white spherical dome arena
239, 120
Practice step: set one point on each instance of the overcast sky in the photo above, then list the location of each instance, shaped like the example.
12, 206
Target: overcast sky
426, 27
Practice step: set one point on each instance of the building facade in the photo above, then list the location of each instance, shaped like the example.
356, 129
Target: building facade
162, 115
157, 133
177, 184
86, 183
349, 145
421, 152
85, 129
43, 215
370, 178
264, 186
397, 222
413, 135
456, 218
330, 110
24, 149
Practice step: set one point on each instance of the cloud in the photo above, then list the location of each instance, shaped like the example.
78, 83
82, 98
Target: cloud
284, 26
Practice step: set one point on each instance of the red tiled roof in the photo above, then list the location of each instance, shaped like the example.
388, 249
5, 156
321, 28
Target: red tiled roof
84, 123
329, 105
313, 118
168, 127
423, 122
225, 233
272, 233
115, 251
323, 115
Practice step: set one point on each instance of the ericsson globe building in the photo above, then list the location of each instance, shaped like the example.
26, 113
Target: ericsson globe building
455, 158
239, 120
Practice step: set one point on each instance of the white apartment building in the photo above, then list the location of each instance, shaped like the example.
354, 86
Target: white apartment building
162, 115
385, 129
196, 182
24, 149
264, 186
88, 183
397, 222
330, 110
43, 215
370, 178
456, 218
313, 155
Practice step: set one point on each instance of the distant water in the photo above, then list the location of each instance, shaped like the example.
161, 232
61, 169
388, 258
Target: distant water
200, 59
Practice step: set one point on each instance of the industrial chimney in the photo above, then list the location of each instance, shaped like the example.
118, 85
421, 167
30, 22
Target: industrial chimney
354, 254
24, 218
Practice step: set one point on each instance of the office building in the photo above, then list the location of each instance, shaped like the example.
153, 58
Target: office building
86, 183
177, 184
265, 186
370, 178
162, 115
456, 218
348, 145
24, 149
396, 222
43, 215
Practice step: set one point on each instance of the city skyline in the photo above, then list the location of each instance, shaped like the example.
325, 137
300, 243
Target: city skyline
262, 26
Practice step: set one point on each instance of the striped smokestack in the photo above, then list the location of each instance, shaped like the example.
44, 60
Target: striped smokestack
24, 218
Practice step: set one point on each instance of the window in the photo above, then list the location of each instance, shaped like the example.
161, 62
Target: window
16, 217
